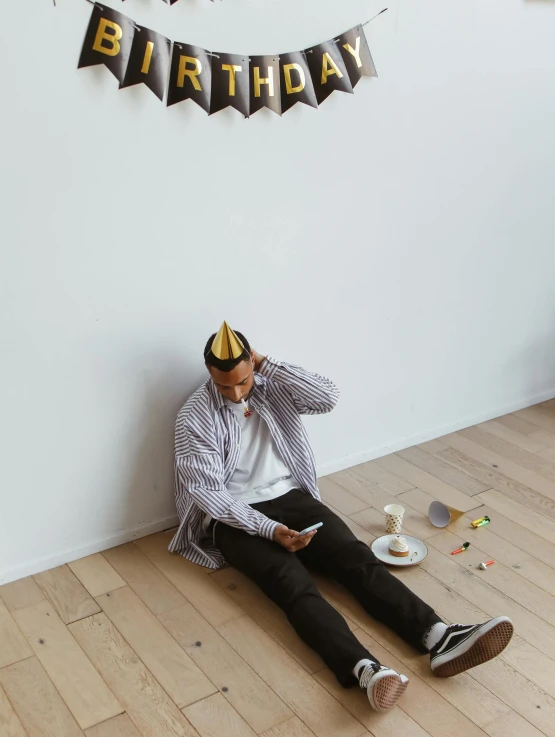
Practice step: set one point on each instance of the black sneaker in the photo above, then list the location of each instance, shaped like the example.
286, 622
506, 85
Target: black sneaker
384, 686
465, 646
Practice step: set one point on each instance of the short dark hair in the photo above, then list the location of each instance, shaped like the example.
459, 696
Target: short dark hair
230, 363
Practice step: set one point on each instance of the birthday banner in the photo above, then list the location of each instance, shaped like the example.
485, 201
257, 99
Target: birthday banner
136, 55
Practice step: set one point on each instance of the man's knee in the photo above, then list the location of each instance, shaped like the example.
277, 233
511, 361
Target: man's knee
286, 584
355, 554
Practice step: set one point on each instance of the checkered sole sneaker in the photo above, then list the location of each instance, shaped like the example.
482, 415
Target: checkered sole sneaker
383, 686
465, 646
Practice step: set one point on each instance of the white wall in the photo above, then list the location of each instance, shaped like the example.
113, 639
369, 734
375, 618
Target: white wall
400, 240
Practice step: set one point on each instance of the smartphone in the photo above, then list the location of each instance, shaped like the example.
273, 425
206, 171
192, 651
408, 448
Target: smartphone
309, 529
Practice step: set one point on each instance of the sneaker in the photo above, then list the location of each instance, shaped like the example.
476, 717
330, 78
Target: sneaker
383, 686
465, 646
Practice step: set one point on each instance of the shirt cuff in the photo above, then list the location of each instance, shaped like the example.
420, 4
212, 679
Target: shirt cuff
269, 367
268, 528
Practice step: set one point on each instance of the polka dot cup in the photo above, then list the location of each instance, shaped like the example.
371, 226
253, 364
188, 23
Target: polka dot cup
393, 518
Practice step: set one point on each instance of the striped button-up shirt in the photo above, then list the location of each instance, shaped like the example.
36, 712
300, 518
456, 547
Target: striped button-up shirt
208, 443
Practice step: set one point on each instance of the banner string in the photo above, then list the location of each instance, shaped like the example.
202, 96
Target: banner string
374, 16
361, 25
211, 53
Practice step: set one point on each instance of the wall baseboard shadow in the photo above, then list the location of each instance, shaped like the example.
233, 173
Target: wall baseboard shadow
45, 563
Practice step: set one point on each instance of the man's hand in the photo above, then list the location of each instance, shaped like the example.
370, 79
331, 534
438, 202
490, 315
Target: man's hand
291, 540
258, 360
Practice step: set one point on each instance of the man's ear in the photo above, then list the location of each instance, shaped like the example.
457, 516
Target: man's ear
253, 359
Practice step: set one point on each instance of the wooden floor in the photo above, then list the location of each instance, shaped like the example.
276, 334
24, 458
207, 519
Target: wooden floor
140, 642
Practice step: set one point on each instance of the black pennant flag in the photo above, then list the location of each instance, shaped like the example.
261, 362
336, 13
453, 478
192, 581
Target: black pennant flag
296, 82
148, 61
264, 84
230, 83
328, 70
107, 41
190, 76
356, 54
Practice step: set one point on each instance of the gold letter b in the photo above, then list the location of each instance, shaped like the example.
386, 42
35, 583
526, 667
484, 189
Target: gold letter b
112, 38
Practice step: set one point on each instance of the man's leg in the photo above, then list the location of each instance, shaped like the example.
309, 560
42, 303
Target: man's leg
335, 551
284, 579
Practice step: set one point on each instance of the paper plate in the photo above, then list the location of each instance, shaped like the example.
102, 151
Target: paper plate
380, 548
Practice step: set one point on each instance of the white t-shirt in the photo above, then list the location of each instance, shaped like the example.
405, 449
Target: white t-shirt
261, 473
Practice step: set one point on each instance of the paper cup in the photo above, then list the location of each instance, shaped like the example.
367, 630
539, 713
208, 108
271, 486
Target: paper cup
393, 518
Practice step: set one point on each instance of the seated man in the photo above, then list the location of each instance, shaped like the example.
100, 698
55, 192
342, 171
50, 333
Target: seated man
246, 485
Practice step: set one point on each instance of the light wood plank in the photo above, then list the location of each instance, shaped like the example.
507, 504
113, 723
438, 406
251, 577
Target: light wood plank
441, 470
477, 590
497, 545
310, 702
66, 593
518, 424
524, 442
96, 574
148, 705
339, 497
548, 454
268, 615
512, 725
82, 689
528, 518
524, 458
214, 717
373, 518
533, 665
379, 476
432, 446
545, 438
10, 726
501, 550
525, 539
519, 693
499, 576
497, 479
36, 702
423, 480
539, 416
253, 699
120, 726
182, 680
20, 594
190, 580
146, 581
395, 723
291, 728
522, 475
371, 494
13, 646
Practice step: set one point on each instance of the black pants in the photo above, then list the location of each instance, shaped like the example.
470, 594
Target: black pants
335, 552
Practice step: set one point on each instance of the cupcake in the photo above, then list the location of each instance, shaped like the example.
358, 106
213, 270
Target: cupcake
398, 547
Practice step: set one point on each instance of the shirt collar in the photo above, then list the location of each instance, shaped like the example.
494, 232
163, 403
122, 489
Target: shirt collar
218, 400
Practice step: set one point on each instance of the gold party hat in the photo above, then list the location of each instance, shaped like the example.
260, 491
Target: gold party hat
226, 344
